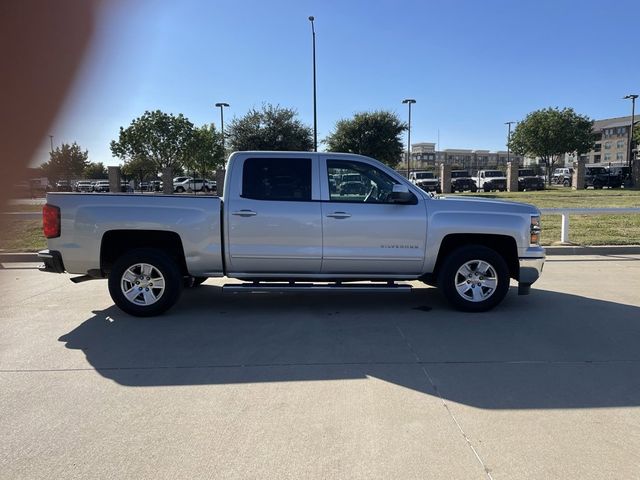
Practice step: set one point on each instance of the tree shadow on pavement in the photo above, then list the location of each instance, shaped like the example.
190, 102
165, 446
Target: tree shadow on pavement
546, 350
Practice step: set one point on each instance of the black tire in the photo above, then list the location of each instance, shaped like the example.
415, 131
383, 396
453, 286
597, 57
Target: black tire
163, 264
180, 190
597, 185
449, 277
193, 282
566, 183
438, 190
486, 188
474, 189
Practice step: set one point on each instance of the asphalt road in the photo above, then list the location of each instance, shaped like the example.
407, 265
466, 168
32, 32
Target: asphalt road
341, 386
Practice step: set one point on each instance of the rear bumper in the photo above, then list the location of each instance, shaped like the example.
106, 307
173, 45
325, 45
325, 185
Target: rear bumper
52, 261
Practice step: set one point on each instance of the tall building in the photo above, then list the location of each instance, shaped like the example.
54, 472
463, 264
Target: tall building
612, 137
425, 156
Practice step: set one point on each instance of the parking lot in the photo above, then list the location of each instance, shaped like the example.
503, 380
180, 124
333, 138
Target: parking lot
339, 386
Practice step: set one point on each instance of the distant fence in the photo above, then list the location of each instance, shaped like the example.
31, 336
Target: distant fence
565, 212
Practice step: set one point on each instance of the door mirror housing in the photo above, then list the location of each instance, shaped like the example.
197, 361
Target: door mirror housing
401, 194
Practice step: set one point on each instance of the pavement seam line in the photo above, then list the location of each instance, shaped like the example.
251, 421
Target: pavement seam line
321, 364
444, 403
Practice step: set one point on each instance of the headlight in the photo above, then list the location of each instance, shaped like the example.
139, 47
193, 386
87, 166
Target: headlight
535, 231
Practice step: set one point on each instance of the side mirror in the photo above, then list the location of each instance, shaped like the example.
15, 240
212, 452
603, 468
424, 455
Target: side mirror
401, 194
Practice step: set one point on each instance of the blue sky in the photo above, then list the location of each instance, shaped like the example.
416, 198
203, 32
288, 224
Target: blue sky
471, 65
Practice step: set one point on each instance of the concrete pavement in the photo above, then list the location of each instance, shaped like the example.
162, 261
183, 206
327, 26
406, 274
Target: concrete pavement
340, 386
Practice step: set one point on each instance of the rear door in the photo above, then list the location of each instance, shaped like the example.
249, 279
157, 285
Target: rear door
363, 231
274, 216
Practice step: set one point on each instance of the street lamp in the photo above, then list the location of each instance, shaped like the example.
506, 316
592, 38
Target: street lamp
509, 141
221, 105
51, 139
409, 101
631, 97
315, 113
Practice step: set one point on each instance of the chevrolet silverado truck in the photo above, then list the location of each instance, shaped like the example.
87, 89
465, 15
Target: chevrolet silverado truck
281, 227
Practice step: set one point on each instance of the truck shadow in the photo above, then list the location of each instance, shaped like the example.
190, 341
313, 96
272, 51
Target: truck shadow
547, 350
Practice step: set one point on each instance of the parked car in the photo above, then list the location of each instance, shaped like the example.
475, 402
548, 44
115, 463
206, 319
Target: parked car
528, 180
490, 180
151, 186
190, 184
84, 186
427, 181
599, 177
284, 239
562, 176
101, 186
461, 181
620, 171
63, 186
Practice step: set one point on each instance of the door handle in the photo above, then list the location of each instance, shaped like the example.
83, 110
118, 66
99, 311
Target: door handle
339, 215
244, 213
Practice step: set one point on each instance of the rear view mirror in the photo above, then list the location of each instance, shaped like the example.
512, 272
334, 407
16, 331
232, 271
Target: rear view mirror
401, 194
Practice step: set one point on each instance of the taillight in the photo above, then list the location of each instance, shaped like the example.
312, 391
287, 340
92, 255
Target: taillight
51, 221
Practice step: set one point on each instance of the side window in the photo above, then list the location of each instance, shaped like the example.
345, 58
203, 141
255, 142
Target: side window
351, 181
285, 179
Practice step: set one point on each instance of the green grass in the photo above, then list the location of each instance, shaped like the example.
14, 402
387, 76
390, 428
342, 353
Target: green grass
584, 229
22, 236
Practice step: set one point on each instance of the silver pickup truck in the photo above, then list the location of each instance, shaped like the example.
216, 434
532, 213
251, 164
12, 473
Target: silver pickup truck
296, 221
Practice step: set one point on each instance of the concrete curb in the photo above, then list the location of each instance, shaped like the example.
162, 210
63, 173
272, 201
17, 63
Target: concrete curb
596, 250
551, 251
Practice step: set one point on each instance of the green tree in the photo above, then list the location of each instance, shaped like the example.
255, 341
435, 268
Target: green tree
139, 169
95, 171
549, 133
272, 128
205, 153
66, 162
375, 134
162, 139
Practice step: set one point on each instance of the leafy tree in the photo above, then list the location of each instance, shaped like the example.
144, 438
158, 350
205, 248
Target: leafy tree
95, 171
550, 133
162, 139
140, 169
375, 134
65, 163
205, 153
272, 128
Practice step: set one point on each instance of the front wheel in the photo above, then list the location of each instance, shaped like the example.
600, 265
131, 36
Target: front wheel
474, 278
145, 282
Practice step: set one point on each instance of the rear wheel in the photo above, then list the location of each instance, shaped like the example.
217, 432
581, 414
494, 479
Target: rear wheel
565, 183
180, 189
145, 282
474, 278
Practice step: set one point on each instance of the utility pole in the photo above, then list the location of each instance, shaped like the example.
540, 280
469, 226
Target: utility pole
631, 97
409, 101
509, 141
221, 105
315, 112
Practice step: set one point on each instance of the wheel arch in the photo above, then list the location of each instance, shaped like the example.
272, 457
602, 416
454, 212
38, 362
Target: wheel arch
115, 243
504, 245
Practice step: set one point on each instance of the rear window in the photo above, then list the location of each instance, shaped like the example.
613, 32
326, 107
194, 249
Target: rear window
284, 179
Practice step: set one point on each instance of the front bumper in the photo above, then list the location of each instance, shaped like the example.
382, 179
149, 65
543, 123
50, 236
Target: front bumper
52, 261
530, 270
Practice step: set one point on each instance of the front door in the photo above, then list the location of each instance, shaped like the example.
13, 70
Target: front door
364, 232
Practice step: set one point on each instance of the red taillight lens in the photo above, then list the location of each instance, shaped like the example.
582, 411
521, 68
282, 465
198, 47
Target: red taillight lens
51, 221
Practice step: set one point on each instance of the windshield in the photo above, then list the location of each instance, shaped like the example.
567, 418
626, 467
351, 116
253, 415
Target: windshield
422, 175
526, 173
493, 173
597, 170
459, 174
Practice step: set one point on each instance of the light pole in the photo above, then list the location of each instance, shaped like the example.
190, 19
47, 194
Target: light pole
509, 141
315, 113
409, 101
221, 105
631, 97
51, 139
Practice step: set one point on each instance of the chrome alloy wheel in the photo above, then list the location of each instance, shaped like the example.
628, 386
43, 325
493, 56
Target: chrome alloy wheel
142, 284
476, 280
